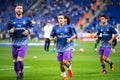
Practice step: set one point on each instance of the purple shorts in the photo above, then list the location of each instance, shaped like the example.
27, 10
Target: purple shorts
104, 51
71, 53
19, 51
64, 56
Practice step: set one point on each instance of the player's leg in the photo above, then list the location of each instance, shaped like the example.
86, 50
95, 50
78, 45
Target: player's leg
106, 58
54, 44
66, 59
101, 50
48, 44
45, 45
16, 64
95, 46
60, 60
70, 60
114, 43
21, 53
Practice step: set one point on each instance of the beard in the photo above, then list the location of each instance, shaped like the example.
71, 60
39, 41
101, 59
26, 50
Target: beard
19, 13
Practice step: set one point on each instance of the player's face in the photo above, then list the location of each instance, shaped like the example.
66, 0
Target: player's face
61, 19
65, 21
103, 20
19, 10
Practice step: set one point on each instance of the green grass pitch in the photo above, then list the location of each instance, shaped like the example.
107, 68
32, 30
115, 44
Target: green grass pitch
86, 65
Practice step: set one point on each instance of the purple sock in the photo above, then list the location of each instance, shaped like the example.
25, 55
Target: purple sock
103, 66
21, 64
16, 68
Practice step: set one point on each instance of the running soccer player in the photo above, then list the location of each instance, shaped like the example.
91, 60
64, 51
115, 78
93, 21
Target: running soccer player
67, 21
64, 35
18, 27
105, 45
114, 43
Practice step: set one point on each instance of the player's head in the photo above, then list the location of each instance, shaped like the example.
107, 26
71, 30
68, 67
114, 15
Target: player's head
103, 19
61, 19
19, 9
67, 20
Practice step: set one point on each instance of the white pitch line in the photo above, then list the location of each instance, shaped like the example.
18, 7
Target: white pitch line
6, 69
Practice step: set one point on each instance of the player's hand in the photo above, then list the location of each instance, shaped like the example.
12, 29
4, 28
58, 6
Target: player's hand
110, 41
68, 40
95, 36
12, 30
55, 38
25, 33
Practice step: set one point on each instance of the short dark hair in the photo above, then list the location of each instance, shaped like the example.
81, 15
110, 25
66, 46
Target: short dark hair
18, 4
61, 15
105, 16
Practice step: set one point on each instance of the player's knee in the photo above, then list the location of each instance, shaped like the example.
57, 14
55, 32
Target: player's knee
19, 58
104, 58
65, 61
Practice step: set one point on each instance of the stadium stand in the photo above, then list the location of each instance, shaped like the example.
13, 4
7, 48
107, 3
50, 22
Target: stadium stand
40, 12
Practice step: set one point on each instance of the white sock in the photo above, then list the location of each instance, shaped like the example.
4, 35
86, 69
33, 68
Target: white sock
70, 66
64, 74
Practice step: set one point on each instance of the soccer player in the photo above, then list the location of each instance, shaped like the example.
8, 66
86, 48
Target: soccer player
105, 45
114, 43
19, 28
64, 36
67, 21
47, 31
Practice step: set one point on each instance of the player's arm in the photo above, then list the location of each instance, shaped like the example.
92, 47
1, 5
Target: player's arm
71, 38
74, 34
53, 34
114, 37
51, 38
10, 28
27, 31
97, 33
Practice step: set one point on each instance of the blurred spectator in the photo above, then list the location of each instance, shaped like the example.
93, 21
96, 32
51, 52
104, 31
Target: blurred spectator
92, 7
98, 4
87, 16
47, 30
80, 22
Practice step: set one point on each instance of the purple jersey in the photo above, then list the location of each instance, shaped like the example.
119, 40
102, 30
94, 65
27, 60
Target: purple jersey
106, 32
62, 34
20, 25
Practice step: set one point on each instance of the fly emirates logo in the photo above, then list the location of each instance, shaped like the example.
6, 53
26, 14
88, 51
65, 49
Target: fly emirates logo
62, 35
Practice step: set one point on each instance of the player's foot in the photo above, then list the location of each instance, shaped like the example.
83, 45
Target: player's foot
64, 78
111, 67
21, 75
70, 73
18, 78
104, 72
96, 49
113, 50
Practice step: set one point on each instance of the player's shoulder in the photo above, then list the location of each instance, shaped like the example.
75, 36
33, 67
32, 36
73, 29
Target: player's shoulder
68, 26
12, 19
56, 26
26, 18
110, 26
